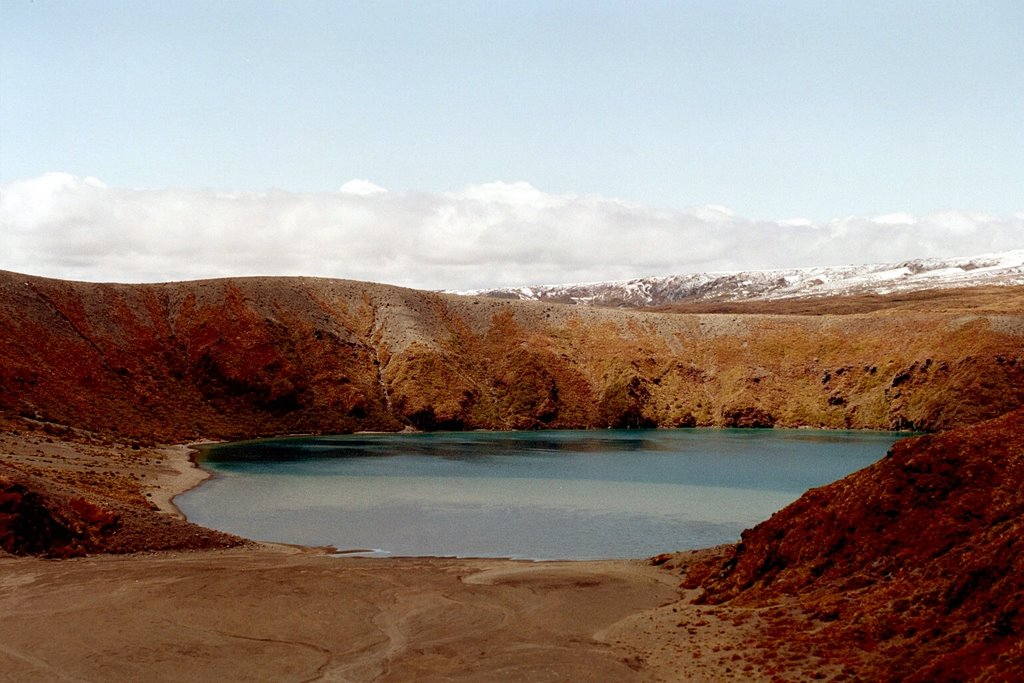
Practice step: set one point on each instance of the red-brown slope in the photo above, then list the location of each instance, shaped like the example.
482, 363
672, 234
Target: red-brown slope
171, 361
917, 559
250, 356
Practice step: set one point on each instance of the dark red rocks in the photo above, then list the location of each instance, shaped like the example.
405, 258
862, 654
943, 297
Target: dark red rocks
40, 518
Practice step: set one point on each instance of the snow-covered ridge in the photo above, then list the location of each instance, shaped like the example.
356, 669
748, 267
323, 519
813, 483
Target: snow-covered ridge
1005, 268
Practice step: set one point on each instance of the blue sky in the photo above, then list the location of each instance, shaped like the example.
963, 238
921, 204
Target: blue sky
776, 110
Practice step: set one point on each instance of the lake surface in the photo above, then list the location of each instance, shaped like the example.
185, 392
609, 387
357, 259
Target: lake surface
539, 495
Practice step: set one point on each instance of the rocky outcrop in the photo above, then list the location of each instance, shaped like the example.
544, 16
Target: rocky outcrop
31, 525
249, 356
915, 559
38, 517
749, 417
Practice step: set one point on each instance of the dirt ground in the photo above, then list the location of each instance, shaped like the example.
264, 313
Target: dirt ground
287, 614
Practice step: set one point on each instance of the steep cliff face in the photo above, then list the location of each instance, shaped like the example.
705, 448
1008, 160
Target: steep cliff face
916, 559
249, 356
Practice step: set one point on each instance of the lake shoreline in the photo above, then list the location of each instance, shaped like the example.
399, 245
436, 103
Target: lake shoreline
184, 474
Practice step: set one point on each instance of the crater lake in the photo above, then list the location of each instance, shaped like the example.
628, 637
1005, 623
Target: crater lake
537, 495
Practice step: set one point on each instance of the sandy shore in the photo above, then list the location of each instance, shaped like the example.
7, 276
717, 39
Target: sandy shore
179, 474
275, 613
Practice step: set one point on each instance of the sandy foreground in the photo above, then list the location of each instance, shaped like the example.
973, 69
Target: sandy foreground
285, 615
277, 613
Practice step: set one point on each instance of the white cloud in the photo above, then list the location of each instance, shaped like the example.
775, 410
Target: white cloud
899, 218
361, 187
484, 235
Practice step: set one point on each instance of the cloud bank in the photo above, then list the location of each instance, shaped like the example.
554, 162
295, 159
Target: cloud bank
488, 235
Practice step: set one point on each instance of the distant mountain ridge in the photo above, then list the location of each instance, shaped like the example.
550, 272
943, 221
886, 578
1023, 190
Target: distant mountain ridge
1004, 268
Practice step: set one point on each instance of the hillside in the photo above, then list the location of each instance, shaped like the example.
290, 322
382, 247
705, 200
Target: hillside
908, 570
241, 357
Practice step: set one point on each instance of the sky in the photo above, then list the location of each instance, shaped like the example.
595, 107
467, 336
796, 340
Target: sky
469, 144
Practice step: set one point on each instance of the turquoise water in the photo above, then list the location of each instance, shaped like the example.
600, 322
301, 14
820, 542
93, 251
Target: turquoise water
540, 495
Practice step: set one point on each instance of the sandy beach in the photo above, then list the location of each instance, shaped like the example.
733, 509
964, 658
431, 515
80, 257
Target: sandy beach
181, 474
